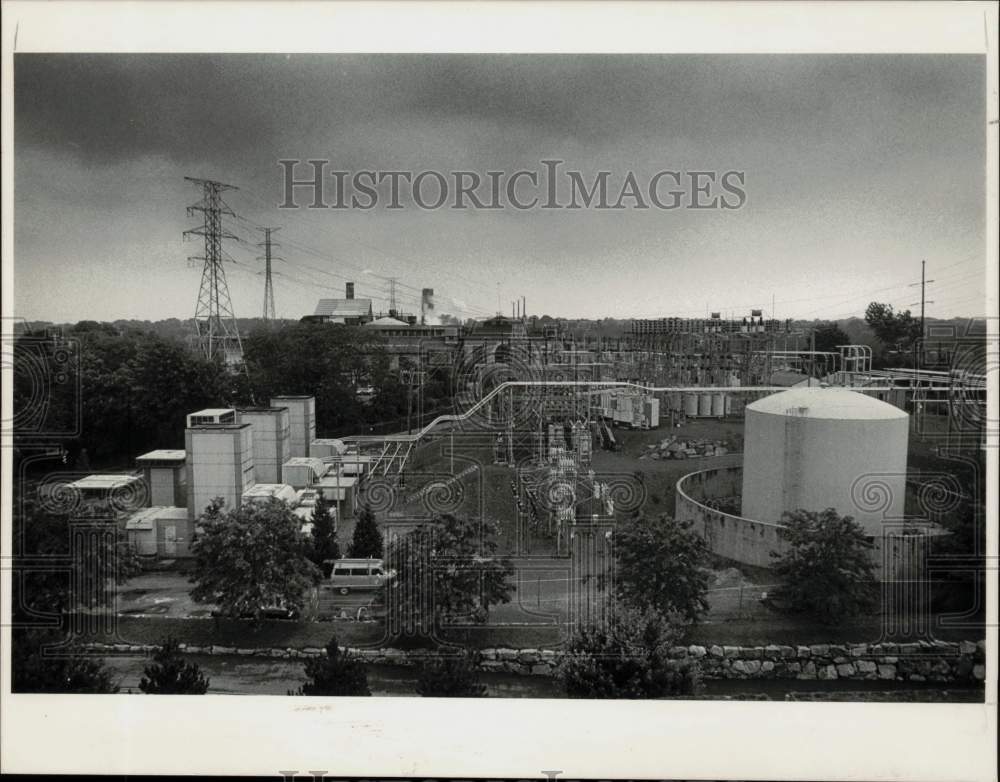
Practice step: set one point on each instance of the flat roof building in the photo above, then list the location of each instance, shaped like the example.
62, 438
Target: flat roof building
220, 464
165, 475
271, 440
301, 421
164, 532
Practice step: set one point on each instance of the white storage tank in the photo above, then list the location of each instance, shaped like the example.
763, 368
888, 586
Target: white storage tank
718, 405
705, 405
818, 448
690, 405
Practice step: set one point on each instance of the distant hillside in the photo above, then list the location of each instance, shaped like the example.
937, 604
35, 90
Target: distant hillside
173, 328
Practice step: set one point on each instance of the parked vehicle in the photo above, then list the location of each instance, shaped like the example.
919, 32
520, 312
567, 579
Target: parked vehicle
348, 574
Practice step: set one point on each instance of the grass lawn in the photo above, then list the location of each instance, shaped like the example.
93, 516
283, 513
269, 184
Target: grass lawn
227, 632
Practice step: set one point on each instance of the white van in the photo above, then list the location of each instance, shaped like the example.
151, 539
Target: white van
348, 574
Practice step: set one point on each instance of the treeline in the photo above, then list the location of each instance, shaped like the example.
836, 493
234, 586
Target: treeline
107, 395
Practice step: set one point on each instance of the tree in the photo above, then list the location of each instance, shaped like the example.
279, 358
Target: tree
828, 336
41, 659
662, 564
42, 662
447, 568
451, 676
628, 657
897, 331
331, 361
171, 674
367, 539
41, 534
251, 558
324, 535
334, 673
137, 385
827, 570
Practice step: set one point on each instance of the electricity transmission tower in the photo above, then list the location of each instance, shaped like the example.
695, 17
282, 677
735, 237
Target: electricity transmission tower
215, 323
267, 258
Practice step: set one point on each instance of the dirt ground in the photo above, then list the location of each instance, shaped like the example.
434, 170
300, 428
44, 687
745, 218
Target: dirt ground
660, 476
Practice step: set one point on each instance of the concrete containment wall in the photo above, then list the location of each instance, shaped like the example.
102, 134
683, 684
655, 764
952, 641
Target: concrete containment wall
896, 555
730, 536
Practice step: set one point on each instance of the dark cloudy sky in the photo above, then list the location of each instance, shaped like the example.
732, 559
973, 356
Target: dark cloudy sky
857, 167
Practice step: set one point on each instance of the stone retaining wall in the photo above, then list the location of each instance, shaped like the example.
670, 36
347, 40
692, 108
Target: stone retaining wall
937, 661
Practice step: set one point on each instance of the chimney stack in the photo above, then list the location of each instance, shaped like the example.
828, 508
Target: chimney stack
350, 290
426, 305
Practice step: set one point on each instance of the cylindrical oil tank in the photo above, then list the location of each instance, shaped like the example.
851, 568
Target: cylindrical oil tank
690, 405
675, 400
718, 405
705, 405
817, 448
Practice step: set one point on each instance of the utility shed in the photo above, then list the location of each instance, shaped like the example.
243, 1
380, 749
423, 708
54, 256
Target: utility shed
262, 492
163, 532
342, 491
112, 494
301, 472
165, 474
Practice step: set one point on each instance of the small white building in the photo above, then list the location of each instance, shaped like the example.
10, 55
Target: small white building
163, 532
327, 446
262, 492
110, 494
302, 472
341, 490
166, 476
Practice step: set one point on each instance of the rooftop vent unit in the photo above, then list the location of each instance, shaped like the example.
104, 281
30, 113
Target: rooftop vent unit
211, 416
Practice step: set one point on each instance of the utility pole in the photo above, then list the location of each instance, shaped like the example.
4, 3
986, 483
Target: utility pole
924, 282
217, 333
267, 258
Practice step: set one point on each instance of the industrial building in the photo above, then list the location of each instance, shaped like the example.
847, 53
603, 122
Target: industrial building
219, 464
347, 311
165, 474
245, 455
324, 478
301, 421
272, 440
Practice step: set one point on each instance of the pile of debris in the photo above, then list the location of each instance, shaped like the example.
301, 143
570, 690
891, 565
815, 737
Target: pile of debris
675, 448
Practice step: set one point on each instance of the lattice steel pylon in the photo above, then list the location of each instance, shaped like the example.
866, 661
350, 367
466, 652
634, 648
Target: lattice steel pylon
268, 286
215, 323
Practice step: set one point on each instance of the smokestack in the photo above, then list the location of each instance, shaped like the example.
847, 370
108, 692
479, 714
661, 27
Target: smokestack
427, 306
350, 290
